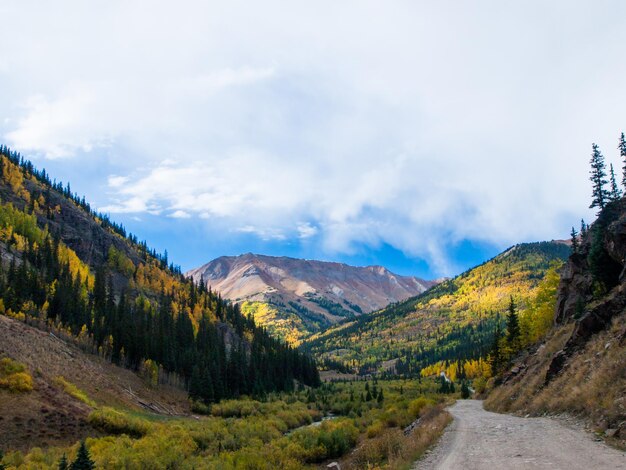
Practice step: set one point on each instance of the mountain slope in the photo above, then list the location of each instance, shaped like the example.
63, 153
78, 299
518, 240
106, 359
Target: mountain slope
580, 367
67, 269
294, 297
454, 320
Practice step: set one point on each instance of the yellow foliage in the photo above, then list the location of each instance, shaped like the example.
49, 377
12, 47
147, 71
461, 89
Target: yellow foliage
14, 377
74, 391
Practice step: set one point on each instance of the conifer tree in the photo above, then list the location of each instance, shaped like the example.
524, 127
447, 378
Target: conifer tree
583, 229
615, 191
465, 391
574, 235
380, 396
622, 154
63, 463
495, 355
512, 326
83, 459
600, 196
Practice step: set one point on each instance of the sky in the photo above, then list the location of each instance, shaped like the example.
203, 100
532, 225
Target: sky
423, 136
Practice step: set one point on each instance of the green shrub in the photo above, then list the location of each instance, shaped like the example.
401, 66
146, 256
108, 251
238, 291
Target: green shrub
416, 406
115, 422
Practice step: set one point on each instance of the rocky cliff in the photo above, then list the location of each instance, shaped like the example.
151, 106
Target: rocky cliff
580, 368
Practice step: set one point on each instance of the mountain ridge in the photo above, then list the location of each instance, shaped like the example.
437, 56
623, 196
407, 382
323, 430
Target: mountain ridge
310, 294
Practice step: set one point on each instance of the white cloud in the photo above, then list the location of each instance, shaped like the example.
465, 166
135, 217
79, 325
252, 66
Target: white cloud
180, 214
416, 124
306, 230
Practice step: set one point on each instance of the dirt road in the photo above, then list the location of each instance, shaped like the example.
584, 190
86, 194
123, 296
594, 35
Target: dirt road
478, 439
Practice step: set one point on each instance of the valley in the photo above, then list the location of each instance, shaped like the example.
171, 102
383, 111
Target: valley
111, 354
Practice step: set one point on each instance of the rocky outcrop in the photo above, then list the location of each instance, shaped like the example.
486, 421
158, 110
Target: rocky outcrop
593, 283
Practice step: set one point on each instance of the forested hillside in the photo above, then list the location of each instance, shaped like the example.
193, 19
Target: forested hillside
451, 326
70, 270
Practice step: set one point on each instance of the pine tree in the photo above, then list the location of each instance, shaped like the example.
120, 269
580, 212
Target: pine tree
495, 355
574, 235
83, 459
63, 463
622, 154
583, 229
512, 326
598, 179
380, 396
615, 191
465, 391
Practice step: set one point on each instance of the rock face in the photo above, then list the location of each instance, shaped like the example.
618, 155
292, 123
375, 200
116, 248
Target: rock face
315, 290
593, 286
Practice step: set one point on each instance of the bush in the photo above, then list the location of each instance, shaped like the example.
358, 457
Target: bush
9, 366
14, 377
417, 405
20, 382
115, 422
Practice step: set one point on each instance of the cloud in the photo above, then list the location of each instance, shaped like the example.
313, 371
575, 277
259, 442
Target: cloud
180, 214
338, 124
306, 230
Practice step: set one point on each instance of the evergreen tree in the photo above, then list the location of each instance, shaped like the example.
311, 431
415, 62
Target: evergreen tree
512, 327
380, 396
622, 154
465, 391
583, 229
600, 196
574, 235
444, 387
83, 459
615, 191
63, 463
495, 355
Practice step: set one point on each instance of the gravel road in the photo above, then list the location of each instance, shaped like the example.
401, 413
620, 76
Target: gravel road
478, 439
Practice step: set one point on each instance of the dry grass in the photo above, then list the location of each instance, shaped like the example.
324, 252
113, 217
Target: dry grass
391, 449
592, 384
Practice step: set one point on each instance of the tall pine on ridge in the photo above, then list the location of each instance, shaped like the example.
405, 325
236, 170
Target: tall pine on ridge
598, 179
622, 154
615, 191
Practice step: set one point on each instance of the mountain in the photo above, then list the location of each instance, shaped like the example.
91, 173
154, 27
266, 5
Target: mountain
453, 321
67, 269
579, 367
294, 297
